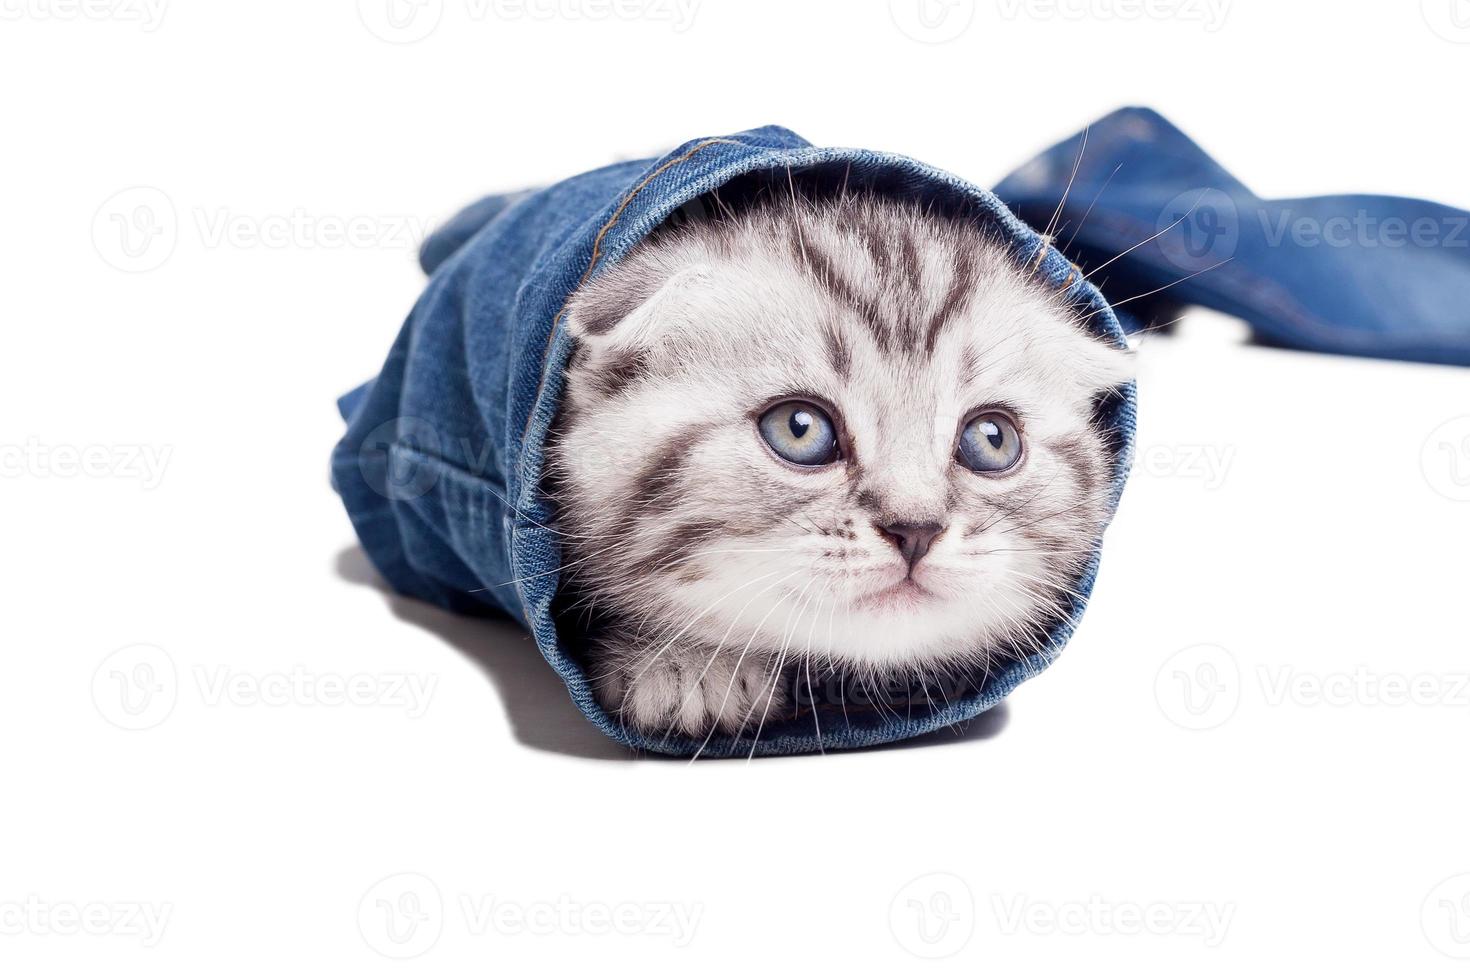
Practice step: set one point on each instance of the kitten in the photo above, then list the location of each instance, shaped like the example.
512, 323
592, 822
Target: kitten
850, 434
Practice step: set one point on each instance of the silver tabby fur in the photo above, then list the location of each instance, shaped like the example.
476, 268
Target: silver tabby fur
712, 567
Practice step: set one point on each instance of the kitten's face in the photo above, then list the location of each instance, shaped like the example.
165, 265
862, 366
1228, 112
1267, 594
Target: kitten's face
866, 440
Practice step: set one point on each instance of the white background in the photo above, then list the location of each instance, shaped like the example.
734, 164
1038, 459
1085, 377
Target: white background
1296, 522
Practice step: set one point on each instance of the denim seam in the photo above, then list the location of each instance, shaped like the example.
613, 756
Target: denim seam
597, 250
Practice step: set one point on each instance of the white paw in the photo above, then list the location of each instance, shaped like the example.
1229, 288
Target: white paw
689, 693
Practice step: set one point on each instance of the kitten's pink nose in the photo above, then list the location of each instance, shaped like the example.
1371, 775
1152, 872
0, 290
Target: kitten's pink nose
911, 540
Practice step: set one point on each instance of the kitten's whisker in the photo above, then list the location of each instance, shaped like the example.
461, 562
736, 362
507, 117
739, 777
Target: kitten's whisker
525, 517
694, 688
1151, 292
735, 676
1052, 586
1172, 225
775, 675
1013, 510
1050, 225
1095, 198
796, 216
690, 625
1055, 514
656, 603
560, 568
807, 665
842, 686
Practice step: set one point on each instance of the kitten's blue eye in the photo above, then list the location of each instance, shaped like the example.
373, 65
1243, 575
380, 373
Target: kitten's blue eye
801, 433
989, 444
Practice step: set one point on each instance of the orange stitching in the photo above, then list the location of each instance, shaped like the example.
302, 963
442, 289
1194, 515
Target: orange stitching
592, 263
1041, 253
627, 200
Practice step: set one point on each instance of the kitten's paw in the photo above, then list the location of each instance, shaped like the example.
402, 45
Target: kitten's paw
688, 693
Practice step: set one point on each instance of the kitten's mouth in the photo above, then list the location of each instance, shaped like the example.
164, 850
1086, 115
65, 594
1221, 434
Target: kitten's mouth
904, 594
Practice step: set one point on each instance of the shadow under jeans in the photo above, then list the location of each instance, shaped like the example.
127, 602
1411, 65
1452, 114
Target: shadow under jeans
541, 713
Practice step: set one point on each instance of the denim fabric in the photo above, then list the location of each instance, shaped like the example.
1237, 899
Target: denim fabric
1349, 274
441, 466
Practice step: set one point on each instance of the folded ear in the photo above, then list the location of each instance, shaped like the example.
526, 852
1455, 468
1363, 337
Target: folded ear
628, 310
1101, 367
